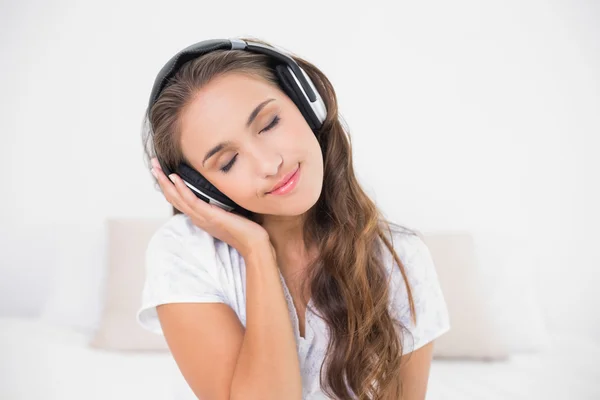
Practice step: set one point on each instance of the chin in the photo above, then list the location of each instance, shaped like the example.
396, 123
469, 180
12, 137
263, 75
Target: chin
295, 204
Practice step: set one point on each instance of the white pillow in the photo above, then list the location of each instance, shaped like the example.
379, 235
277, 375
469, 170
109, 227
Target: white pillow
126, 270
475, 332
76, 294
508, 262
486, 278
487, 284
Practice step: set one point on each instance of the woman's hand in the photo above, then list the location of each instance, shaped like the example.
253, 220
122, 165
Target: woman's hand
237, 231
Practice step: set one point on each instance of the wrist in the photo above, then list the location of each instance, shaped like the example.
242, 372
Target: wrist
259, 249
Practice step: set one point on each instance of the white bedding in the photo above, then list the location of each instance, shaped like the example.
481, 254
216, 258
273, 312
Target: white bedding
40, 361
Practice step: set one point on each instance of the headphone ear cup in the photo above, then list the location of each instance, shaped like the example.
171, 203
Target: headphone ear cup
207, 189
290, 87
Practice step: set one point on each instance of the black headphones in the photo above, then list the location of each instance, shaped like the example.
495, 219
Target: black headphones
292, 79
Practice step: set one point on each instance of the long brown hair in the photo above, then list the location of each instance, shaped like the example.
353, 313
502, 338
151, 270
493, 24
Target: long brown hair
349, 283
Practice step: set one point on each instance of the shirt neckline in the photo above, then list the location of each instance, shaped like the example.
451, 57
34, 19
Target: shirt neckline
295, 322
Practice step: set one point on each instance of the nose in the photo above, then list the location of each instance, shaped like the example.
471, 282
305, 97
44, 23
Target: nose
267, 161
270, 165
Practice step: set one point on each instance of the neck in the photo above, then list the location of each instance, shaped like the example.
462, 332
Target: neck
287, 237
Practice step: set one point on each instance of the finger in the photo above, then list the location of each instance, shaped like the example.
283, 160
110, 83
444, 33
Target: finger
192, 202
169, 190
185, 200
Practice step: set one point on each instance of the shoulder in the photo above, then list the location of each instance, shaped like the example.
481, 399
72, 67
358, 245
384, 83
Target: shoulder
417, 262
181, 236
179, 228
425, 289
406, 243
179, 245
182, 266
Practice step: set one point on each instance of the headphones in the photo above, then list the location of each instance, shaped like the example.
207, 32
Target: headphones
292, 80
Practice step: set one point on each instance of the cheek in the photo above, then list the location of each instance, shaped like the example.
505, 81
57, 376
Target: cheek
299, 141
296, 125
239, 190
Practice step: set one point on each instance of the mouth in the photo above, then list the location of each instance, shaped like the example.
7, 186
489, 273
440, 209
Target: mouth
288, 183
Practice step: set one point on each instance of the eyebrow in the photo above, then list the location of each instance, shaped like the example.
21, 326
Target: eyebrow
251, 119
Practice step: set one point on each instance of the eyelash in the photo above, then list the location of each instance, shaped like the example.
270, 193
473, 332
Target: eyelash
271, 125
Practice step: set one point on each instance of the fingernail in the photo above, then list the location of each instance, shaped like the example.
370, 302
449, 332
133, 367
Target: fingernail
172, 177
154, 173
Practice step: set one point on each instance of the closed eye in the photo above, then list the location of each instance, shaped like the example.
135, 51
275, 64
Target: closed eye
271, 125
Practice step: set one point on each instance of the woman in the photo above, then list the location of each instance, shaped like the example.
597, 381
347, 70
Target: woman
309, 294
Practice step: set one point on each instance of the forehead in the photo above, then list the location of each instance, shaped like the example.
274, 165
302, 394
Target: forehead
226, 101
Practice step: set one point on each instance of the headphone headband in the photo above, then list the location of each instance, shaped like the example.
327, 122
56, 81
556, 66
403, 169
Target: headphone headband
198, 49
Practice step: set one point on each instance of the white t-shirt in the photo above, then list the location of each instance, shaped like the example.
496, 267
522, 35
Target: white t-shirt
185, 264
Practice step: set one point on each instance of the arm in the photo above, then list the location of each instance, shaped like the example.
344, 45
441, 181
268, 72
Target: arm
268, 365
218, 359
414, 373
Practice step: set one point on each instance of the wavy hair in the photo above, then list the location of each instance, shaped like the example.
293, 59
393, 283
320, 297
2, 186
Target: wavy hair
349, 284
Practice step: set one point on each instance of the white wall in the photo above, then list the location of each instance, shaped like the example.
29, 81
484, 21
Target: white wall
464, 115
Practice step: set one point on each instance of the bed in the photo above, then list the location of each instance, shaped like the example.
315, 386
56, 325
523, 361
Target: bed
42, 361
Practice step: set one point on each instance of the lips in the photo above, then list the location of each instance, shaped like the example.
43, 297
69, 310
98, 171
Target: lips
284, 180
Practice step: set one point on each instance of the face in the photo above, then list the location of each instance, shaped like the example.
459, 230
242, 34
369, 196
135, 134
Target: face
264, 137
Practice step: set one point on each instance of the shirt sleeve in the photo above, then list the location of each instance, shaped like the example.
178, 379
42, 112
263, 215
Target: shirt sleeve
430, 306
174, 274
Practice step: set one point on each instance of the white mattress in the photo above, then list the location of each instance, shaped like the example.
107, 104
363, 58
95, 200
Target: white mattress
40, 361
